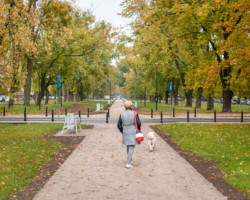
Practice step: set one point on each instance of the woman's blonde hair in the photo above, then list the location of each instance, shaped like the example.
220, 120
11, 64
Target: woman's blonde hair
128, 104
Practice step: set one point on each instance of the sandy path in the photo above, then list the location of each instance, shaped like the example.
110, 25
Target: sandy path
96, 170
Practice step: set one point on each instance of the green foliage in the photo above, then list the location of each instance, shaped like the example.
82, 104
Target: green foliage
182, 109
42, 39
223, 143
203, 44
34, 109
23, 151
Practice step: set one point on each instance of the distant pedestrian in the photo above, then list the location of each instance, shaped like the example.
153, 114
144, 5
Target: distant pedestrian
126, 125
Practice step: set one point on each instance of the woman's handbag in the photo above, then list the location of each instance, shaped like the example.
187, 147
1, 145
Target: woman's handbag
139, 135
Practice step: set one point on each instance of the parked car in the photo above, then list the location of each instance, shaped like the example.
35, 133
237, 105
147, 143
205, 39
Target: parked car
248, 102
216, 100
203, 99
243, 101
234, 101
7, 98
2, 99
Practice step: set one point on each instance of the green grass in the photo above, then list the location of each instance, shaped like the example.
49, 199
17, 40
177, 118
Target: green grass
22, 151
181, 107
92, 104
33, 109
227, 144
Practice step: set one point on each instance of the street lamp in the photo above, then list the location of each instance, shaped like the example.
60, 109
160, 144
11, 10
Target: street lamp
156, 94
39, 101
109, 90
144, 90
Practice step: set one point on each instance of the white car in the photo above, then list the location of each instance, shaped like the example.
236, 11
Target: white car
2, 99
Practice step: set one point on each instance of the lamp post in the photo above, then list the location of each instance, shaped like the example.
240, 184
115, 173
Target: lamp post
144, 90
39, 101
156, 94
109, 90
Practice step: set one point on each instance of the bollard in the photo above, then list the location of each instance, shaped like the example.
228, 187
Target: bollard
88, 113
187, 115
66, 111
46, 111
161, 117
52, 116
173, 112
241, 118
214, 115
108, 113
25, 114
152, 113
80, 115
194, 112
4, 111
107, 119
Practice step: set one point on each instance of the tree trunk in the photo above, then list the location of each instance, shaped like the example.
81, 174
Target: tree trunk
43, 90
159, 99
189, 96
227, 98
70, 96
198, 97
210, 102
166, 96
11, 102
47, 97
65, 95
175, 92
27, 88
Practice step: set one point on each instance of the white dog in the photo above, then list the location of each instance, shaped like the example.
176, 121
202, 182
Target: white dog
151, 140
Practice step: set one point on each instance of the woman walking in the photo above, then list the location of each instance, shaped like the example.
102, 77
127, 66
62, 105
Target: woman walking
126, 125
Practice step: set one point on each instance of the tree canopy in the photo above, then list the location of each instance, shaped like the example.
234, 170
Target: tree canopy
204, 45
41, 39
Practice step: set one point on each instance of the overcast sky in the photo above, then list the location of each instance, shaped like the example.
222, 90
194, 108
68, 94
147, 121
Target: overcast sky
105, 9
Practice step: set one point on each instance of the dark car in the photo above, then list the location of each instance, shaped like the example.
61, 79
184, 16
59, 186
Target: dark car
203, 99
217, 101
234, 101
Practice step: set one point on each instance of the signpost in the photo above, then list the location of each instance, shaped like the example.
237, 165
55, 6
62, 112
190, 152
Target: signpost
171, 90
59, 86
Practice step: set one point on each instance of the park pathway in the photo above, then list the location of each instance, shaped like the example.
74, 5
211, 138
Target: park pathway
96, 171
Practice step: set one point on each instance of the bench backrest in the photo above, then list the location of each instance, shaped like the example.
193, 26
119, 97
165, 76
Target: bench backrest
70, 118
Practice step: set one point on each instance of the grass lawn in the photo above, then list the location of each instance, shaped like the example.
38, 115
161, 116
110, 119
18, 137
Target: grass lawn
22, 151
181, 108
92, 104
32, 109
227, 144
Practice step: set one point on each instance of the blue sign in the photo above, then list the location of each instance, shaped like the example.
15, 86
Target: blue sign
171, 86
59, 86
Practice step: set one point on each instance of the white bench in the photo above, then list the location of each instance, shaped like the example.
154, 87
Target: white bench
70, 122
99, 107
